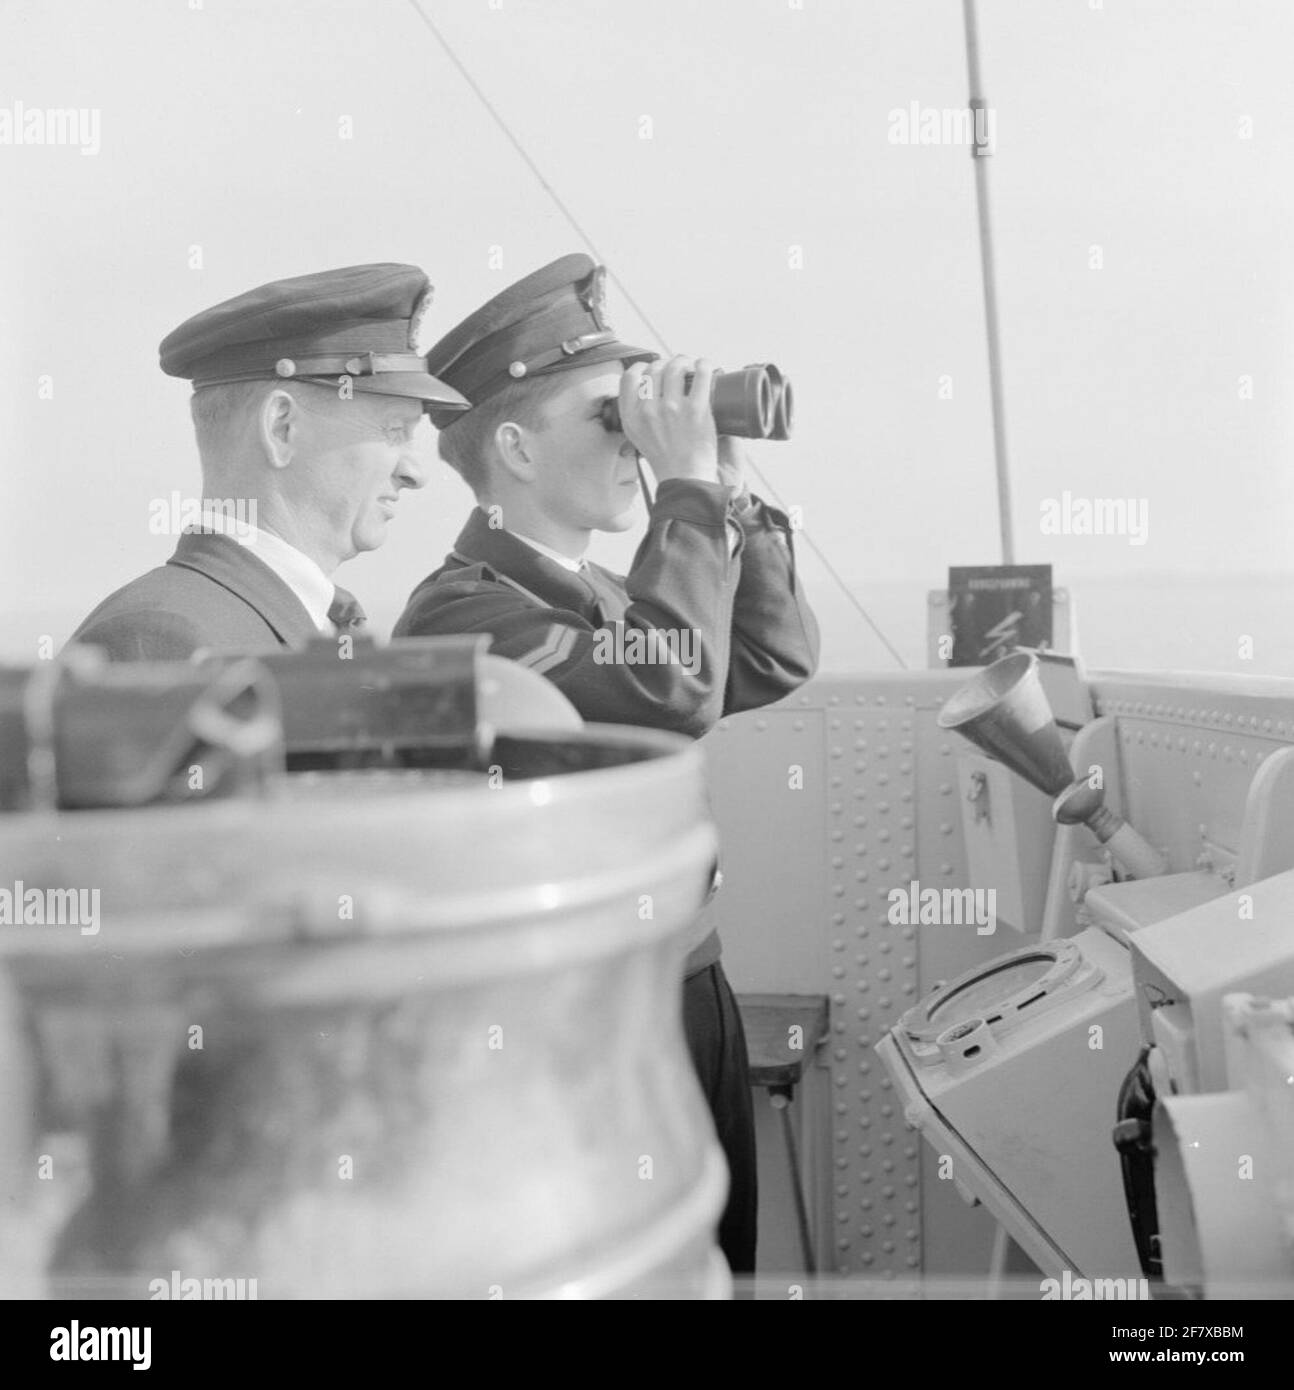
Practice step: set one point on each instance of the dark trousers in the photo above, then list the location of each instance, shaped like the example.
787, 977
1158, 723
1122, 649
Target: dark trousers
717, 1043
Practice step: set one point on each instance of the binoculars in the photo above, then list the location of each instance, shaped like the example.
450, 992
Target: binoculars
754, 403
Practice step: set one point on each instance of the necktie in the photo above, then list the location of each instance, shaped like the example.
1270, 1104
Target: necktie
345, 612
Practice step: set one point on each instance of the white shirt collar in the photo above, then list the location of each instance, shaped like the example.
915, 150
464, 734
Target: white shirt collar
575, 566
297, 570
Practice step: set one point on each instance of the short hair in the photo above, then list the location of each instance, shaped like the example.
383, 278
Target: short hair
216, 409
219, 412
466, 443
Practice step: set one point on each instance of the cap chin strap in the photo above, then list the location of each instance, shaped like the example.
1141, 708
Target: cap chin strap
334, 365
566, 353
572, 347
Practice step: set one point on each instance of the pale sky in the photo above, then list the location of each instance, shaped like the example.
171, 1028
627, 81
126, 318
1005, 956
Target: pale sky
1141, 203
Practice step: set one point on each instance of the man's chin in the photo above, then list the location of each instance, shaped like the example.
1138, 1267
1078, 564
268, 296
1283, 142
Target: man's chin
371, 535
622, 520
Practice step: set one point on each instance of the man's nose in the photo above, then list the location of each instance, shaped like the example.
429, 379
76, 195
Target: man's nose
410, 469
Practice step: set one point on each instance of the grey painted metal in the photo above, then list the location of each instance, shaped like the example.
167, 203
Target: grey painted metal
795, 913
805, 906
1189, 751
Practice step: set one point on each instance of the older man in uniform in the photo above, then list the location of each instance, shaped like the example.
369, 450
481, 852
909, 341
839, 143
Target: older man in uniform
307, 396
712, 604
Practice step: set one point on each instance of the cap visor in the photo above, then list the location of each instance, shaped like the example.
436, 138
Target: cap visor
442, 416
605, 352
420, 386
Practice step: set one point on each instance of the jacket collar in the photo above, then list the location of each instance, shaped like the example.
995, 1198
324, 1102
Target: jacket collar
231, 565
478, 541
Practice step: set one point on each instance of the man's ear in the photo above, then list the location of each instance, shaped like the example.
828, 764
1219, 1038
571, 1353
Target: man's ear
512, 451
278, 428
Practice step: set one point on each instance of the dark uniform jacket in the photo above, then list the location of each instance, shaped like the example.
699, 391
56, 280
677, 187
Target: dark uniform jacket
213, 594
720, 569
755, 638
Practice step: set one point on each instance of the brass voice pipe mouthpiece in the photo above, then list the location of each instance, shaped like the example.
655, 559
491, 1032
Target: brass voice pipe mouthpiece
753, 403
1004, 711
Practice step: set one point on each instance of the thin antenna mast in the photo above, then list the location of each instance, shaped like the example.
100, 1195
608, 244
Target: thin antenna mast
982, 149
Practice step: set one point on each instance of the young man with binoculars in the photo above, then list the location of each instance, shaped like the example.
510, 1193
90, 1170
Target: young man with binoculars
550, 463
